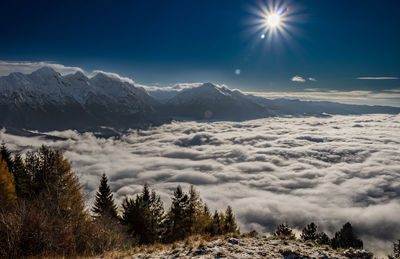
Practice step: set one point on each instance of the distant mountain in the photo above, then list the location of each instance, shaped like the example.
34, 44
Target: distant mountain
209, 101
285, 107
46, 100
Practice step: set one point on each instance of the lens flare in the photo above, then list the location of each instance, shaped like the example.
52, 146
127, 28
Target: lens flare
273, 19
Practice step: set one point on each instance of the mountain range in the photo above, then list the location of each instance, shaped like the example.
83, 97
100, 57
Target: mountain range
45, 100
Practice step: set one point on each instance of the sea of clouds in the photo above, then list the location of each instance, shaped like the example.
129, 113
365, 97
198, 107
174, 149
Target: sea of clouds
275, 170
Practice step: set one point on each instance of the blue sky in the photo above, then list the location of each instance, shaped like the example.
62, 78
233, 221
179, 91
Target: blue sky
166, 42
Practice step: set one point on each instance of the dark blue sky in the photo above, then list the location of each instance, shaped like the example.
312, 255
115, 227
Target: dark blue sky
334, 41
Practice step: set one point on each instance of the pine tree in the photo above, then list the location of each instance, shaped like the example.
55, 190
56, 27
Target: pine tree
54, 184
216, 224
309, 232
104, 204
23, 180
7, 187
144, 216
203, 220
345, 238
284, 231
322, 239
176, 217
230, 225
193, 211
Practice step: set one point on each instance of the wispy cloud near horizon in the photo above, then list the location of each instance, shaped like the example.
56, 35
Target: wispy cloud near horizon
389, 97
378, 78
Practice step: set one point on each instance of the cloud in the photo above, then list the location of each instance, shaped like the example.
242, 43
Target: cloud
176, 87
112, 75
7, 67
379, 78
312, 79
274, 170
386, 97
298, 79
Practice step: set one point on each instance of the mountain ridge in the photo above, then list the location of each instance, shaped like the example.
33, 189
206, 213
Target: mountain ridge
47, 100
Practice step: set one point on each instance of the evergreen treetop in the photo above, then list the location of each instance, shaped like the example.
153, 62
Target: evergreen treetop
104, 204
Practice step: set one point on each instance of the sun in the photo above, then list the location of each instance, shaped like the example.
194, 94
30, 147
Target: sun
273, 20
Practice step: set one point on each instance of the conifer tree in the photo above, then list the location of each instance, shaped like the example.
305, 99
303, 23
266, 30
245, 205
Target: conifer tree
230, 225
176, 217
322, 239
144, 216
284, 231
6, 156
309, 232
193, 210
215, 226
7, 187
23, 180
54, 184
104, 204
345, 238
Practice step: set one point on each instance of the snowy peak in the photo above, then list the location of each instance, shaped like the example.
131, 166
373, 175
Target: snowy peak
209, 101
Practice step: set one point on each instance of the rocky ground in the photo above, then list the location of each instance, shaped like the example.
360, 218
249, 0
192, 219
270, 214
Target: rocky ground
245, 247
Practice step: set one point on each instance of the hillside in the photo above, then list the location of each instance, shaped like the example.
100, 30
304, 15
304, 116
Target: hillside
241, 247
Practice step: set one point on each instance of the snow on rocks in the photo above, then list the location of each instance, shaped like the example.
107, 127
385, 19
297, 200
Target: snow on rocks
250, 247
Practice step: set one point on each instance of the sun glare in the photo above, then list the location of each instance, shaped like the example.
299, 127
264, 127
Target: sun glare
273, 20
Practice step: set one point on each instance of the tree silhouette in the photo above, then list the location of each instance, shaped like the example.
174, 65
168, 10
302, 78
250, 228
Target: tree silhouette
284, 231
176, 217
230, 225
144, 216
345, 238
309, 232
104, 204
322, 239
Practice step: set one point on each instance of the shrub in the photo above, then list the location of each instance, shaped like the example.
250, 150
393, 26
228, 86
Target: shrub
309, 232
284, 231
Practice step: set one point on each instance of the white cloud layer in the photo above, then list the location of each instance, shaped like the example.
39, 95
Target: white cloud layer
295, 170
387, 97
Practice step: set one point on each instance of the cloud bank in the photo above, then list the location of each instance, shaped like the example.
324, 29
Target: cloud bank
295, 170
387, 97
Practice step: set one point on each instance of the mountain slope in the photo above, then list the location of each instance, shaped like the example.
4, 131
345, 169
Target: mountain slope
46, 100
209, 101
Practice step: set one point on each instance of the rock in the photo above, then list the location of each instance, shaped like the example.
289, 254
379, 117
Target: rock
356, 253
233, 241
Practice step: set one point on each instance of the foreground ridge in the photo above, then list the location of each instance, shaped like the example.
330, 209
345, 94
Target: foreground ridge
241, 247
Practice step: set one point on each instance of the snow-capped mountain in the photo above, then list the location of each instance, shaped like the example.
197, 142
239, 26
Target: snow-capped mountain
45, 100
209, 101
